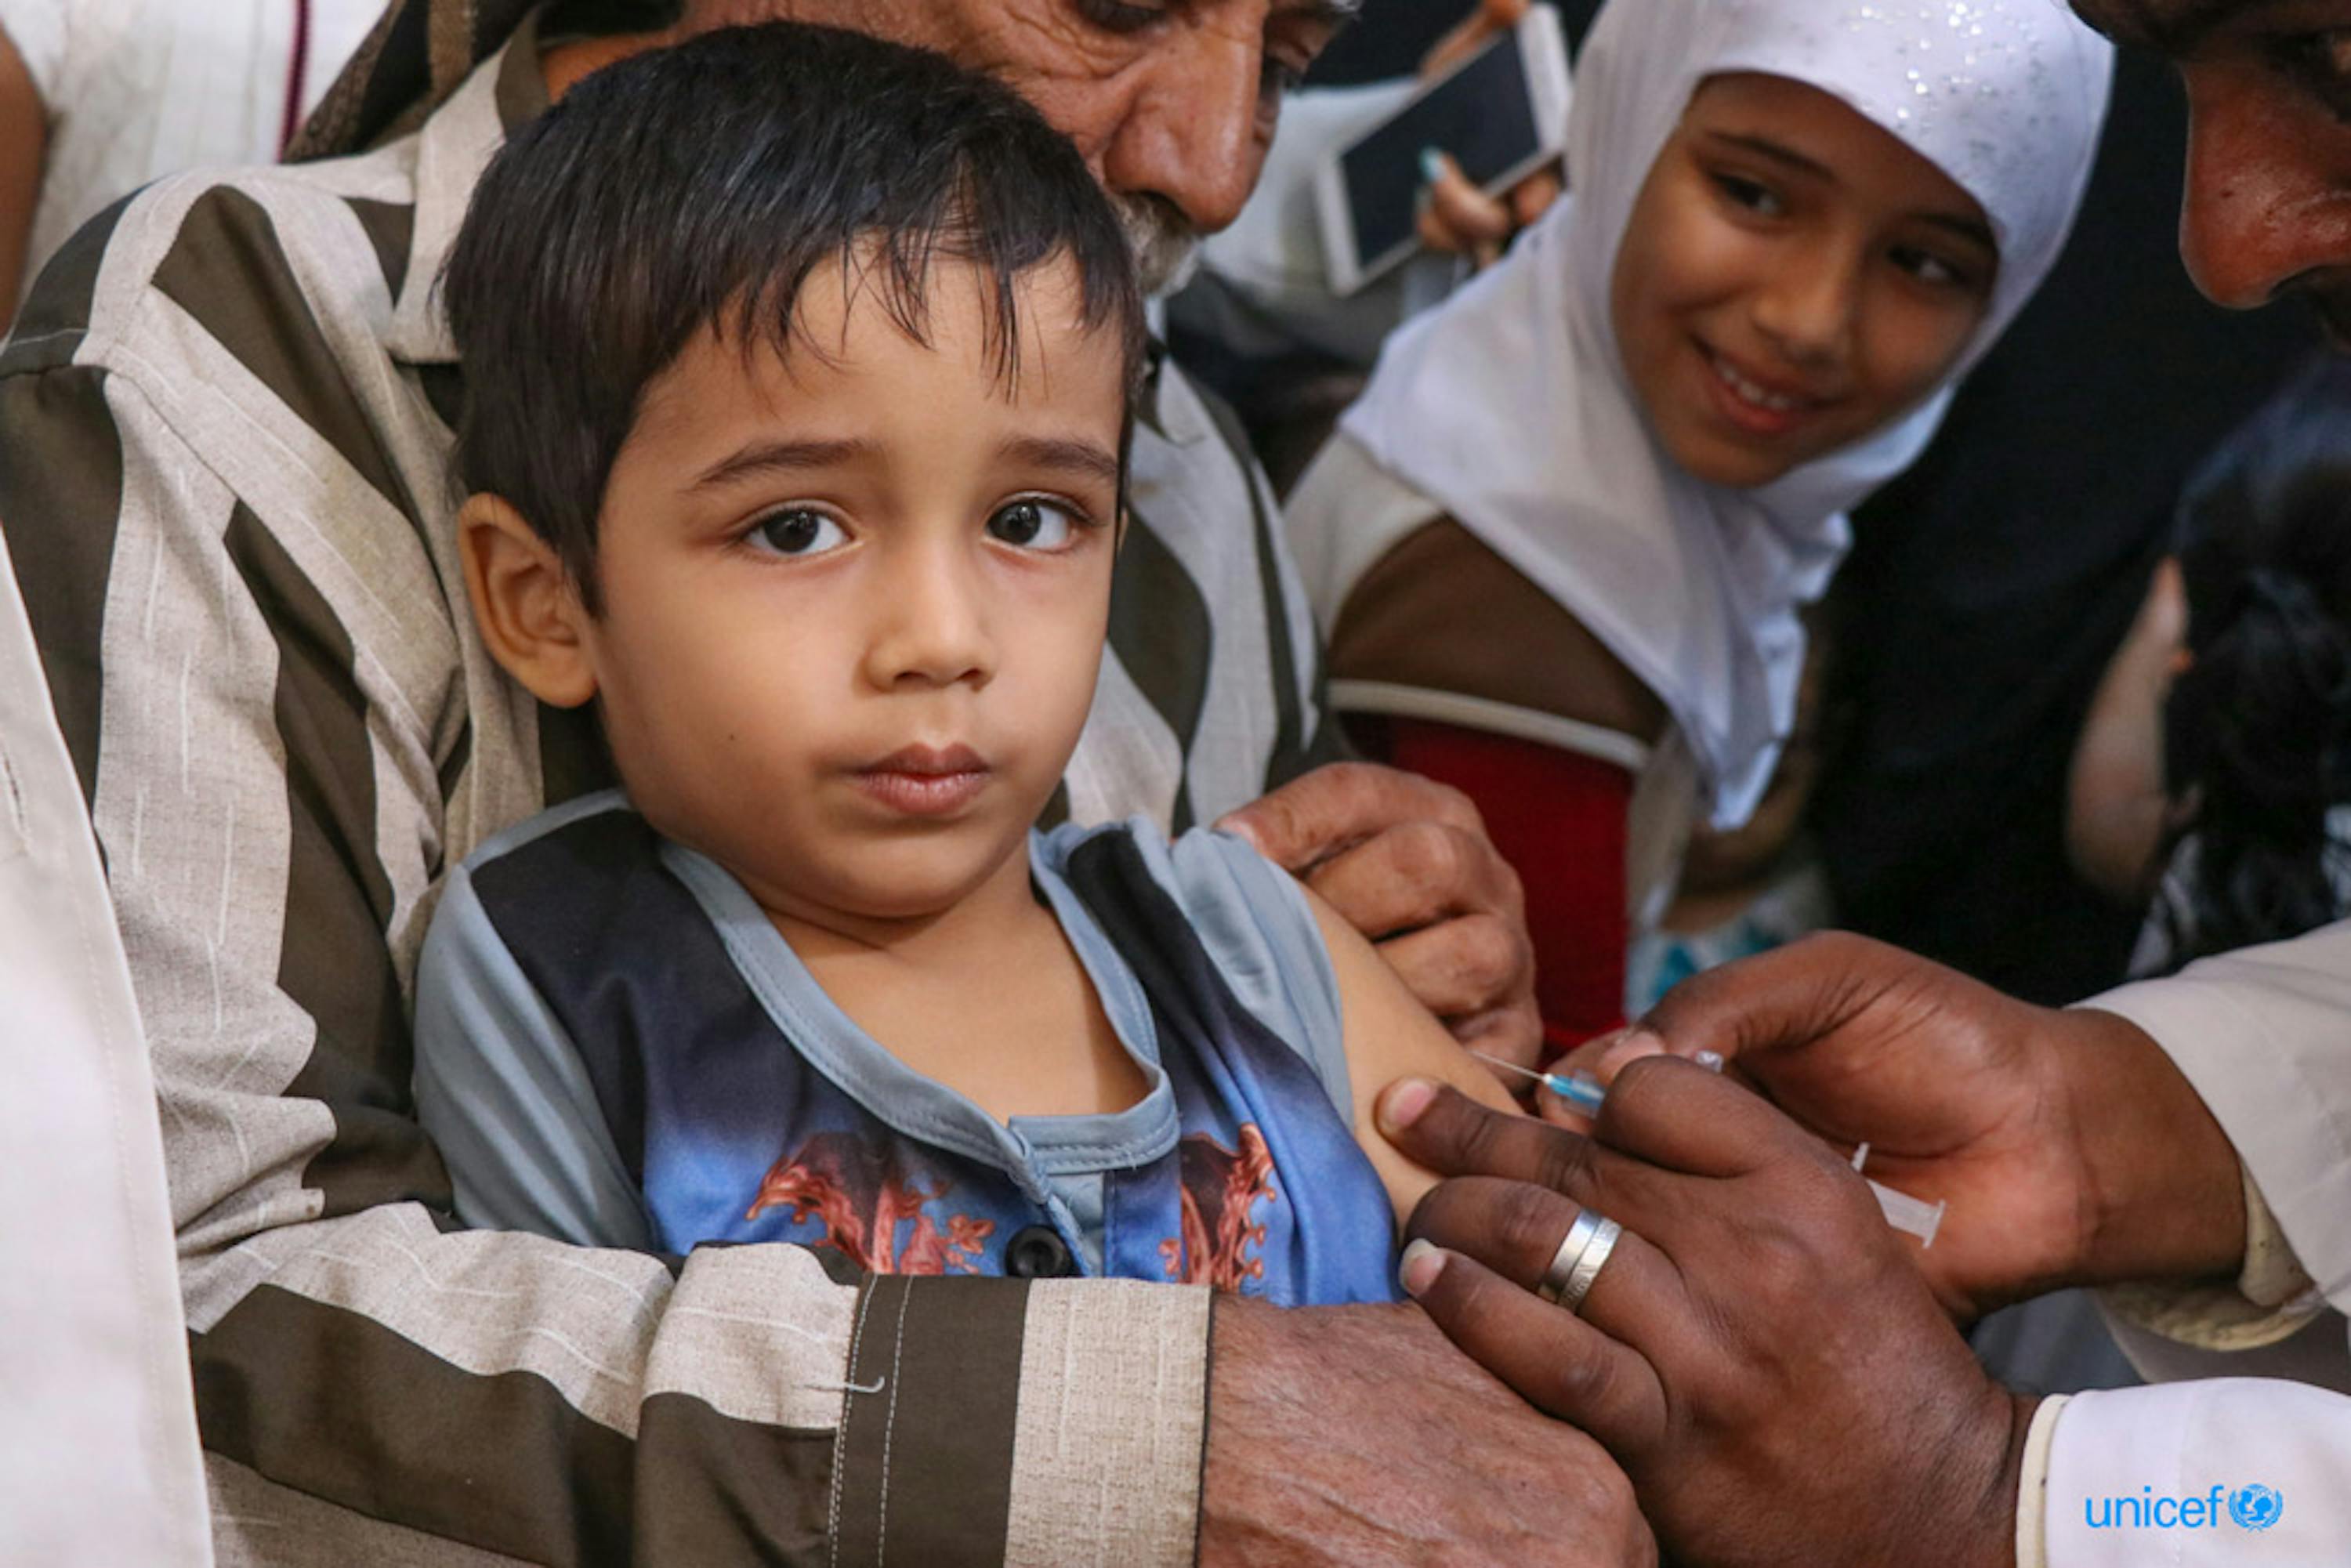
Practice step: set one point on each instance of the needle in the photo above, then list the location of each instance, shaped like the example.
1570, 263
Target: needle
1580, 1090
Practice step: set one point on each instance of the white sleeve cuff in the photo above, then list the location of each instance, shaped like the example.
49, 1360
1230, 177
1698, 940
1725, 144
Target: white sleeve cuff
2218, 1474
2032, 1488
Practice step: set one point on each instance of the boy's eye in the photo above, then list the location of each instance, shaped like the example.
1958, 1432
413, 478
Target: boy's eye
1033, 525
797, 531
1757, 198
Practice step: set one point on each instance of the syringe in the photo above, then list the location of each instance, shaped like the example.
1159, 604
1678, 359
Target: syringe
1580, 1090
1584, 1093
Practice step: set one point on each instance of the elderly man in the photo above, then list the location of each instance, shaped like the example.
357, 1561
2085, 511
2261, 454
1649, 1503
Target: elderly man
1782, 1386
224, 447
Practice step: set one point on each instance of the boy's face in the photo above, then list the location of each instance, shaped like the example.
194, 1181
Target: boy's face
854, 599
1792, 279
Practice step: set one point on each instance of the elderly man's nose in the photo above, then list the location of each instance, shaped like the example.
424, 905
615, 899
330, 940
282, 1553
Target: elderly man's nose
2259, 210
1190, 133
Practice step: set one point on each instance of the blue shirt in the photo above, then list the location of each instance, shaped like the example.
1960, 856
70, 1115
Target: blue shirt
616, 1046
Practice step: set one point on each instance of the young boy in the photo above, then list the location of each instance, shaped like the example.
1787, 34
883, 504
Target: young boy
799, 372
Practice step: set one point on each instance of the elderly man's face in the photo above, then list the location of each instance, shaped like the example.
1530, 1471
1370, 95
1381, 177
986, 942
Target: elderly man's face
2268, 205
1172, 103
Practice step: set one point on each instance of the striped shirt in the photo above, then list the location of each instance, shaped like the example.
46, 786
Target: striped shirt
225, 440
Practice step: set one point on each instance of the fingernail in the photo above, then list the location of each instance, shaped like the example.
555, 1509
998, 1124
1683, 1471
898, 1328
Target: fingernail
1432, 165
1403, 1105
1417, 1270
1237, 826
1709, 1059
1635, 1044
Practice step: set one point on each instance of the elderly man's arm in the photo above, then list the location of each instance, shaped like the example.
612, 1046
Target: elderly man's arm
260, 714
251, 653
23, 144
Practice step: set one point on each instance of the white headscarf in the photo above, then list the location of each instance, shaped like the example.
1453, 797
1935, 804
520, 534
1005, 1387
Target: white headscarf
1509, 407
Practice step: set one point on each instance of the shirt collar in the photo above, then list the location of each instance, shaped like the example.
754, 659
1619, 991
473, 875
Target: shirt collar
506, 92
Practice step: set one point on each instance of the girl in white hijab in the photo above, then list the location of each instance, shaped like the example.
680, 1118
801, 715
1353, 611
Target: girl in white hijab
1562, 542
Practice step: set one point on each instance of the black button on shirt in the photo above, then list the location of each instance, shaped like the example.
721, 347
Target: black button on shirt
1038, 1252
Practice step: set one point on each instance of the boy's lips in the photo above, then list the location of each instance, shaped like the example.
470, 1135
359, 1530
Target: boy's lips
926, 780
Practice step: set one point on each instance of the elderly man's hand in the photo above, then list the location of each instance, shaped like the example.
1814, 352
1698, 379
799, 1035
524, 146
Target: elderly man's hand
1459, 219
1354, 1435
1757, 1352
2069, 1148
1407, 862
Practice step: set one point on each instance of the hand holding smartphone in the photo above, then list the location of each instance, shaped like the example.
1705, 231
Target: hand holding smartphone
1500, 115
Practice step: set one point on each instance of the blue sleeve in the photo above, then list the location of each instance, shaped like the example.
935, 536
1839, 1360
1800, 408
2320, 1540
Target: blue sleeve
502, 1093
1252, 917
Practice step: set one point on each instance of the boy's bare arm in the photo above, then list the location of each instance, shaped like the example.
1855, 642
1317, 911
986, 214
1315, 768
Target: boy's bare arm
1389, 1035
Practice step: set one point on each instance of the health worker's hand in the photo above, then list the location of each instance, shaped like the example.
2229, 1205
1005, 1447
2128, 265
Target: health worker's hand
1757, 1352
1457, 218
2068, 1148
1407, 862
1341, 1436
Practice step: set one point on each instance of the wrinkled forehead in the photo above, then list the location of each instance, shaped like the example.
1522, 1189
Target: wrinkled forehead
1995, 93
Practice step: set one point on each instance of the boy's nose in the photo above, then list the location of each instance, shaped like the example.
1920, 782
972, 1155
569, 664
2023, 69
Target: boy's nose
930, 626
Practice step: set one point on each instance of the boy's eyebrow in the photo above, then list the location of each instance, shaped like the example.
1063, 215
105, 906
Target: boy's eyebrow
779, 456
1082, 458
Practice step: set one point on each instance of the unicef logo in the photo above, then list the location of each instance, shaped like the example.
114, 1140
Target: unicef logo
2255, 1507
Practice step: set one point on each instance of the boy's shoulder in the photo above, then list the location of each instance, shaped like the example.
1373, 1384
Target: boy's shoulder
1201, 866
604, 818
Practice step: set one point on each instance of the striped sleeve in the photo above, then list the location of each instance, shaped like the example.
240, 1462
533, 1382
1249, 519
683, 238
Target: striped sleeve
220, 515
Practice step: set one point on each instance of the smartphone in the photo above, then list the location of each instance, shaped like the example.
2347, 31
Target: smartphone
1501, 115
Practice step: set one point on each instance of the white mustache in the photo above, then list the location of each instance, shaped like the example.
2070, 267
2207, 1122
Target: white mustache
1164, 245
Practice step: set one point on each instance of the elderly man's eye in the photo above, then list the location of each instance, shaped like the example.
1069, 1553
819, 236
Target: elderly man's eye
1118, 16
2321, 61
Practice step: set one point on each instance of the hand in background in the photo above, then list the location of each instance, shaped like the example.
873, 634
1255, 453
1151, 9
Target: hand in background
1354, 1435
1458, 218
2068, 1148
1407, 862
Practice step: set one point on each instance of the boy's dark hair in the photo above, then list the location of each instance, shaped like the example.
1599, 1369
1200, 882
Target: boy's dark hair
699, 186
2259, 726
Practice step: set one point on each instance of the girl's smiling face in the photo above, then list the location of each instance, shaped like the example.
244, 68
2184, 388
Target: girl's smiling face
1792, 279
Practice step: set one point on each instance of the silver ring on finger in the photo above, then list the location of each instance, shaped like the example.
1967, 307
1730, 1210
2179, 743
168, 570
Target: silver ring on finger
1582, 1254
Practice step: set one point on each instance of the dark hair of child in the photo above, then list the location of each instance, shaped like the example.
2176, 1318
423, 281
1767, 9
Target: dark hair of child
699, 187
2258, 728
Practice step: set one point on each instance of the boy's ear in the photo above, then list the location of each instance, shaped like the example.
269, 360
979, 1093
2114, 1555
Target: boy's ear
526, 604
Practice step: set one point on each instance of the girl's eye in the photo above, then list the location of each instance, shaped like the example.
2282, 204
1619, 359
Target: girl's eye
1034, 525
1759, 199
797, 531
1931, 268
1927, 268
